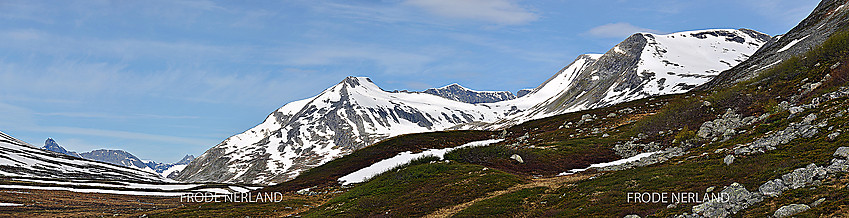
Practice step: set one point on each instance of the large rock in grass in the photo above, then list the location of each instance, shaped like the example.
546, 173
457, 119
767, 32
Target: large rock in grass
790, 210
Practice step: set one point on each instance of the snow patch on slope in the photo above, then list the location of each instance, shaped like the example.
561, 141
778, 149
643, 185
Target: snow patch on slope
404, 158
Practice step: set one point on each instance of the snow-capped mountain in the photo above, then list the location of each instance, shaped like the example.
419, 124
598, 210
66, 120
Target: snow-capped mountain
348, 116
356, 112
122, 158
170, 170
20, 159
462, 94
643, 65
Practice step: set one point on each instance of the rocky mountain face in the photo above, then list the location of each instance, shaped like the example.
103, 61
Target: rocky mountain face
20, 159
643, 65
357, 113
827, 18
117, 157
51, 145
348, 116
523, 92
462, 94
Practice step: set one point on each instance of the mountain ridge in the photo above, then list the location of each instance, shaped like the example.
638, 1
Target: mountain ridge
355, 112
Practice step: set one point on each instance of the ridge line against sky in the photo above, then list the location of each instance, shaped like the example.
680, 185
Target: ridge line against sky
162, 79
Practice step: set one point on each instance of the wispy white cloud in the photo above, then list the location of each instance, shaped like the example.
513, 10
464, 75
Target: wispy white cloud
618, 30
502, 12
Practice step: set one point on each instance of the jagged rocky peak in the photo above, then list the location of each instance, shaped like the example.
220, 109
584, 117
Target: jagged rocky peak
463, 94
186, 160
51, 145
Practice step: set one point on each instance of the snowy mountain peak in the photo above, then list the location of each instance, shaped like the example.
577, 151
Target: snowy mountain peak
345, 117
643, 65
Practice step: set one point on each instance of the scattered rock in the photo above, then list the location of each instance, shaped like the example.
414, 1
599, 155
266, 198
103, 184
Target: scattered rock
773, 188
833, 136
728, 159
796, 110
630, 149
632, 216
739, 199
803, 129
803, 176
626, 110
818, 202
611, 115
838, 165
790, 210
784, 105
706, 103
517, 158
842, 152
710, 189
586, 118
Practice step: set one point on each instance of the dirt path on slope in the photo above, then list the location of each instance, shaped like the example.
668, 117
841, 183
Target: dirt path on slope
551, 183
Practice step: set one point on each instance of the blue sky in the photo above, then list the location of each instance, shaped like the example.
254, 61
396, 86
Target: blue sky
162, 79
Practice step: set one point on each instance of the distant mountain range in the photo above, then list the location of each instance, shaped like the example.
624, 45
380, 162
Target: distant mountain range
20, 159
462, 94
356, 112
123, 158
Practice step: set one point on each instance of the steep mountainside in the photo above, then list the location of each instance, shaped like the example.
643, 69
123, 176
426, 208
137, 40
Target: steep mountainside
19, 159
307, 133
643, 65
462, 94
828, 18
356, 112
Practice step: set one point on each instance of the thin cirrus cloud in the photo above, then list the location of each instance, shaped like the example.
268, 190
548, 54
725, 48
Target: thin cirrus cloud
502, 12
618, 30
